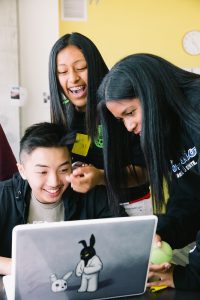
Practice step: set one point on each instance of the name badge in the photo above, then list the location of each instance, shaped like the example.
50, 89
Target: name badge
82, 144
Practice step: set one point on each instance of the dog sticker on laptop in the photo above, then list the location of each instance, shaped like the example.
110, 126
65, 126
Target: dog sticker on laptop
88, 268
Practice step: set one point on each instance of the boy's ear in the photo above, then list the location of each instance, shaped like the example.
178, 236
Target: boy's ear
21, 170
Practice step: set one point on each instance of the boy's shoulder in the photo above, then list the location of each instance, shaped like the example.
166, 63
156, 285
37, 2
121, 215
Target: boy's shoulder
13, 182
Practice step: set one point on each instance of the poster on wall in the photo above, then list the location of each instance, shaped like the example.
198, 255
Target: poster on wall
18, 95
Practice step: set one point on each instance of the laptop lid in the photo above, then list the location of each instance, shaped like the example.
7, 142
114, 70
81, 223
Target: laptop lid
87, 259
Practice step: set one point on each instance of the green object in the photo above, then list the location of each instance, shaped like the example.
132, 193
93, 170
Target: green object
65, 100
99, 140
161, 254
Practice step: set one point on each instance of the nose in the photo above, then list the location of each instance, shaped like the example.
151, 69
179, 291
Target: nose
73, 76
130, 124
53, 180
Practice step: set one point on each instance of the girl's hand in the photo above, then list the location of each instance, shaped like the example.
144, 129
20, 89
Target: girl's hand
161, 275
85, 177
5, 265
158, 240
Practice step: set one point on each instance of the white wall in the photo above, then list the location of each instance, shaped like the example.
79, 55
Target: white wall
9, 114
38, 31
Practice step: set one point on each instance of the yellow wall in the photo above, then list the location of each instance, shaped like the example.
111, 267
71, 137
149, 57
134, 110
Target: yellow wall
122, 27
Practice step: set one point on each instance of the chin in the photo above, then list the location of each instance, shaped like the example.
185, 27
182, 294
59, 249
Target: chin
80, 105
50, 201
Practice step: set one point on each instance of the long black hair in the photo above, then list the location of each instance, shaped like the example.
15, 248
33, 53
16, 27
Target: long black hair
62, 113
170, 100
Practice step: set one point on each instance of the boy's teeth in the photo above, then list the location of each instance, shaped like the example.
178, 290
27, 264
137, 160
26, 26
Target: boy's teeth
52, 191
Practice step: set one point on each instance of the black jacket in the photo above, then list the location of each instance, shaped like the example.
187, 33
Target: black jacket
189, 277
180, 224
14, 206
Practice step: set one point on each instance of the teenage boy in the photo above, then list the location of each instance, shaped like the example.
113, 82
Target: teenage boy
40, 192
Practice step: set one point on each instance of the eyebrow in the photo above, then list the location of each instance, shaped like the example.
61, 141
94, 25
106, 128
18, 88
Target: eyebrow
76, 61
67, 162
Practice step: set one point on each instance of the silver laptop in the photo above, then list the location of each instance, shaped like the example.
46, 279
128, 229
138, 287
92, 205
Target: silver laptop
89, 259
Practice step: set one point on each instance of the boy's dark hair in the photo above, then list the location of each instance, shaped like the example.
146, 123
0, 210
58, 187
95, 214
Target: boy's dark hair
46, 135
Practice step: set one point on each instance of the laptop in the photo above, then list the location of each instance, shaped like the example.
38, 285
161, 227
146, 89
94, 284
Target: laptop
85, 259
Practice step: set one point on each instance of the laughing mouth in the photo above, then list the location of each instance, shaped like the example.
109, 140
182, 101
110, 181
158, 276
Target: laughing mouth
77, 89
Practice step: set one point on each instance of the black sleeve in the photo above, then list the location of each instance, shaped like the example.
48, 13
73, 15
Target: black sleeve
8, 217
96, 201
189, 277
181, 222
101, 206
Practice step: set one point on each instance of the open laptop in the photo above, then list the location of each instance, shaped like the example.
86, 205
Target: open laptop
87, 259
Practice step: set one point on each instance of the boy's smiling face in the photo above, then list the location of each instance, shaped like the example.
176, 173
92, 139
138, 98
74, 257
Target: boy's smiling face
45, 169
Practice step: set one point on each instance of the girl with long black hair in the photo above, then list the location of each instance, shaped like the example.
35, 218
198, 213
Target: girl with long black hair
160, 103
76, 69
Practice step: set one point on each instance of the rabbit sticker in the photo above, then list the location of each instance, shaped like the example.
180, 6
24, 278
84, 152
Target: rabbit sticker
59, 284
89, 267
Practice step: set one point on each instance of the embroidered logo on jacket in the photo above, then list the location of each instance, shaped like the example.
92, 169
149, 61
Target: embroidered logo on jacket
186, 162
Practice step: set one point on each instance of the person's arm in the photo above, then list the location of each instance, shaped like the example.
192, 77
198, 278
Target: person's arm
161, 275
189, 277
181, 222
5, 265
5, 262
185, 278
7, 223
86, 177
94, 203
